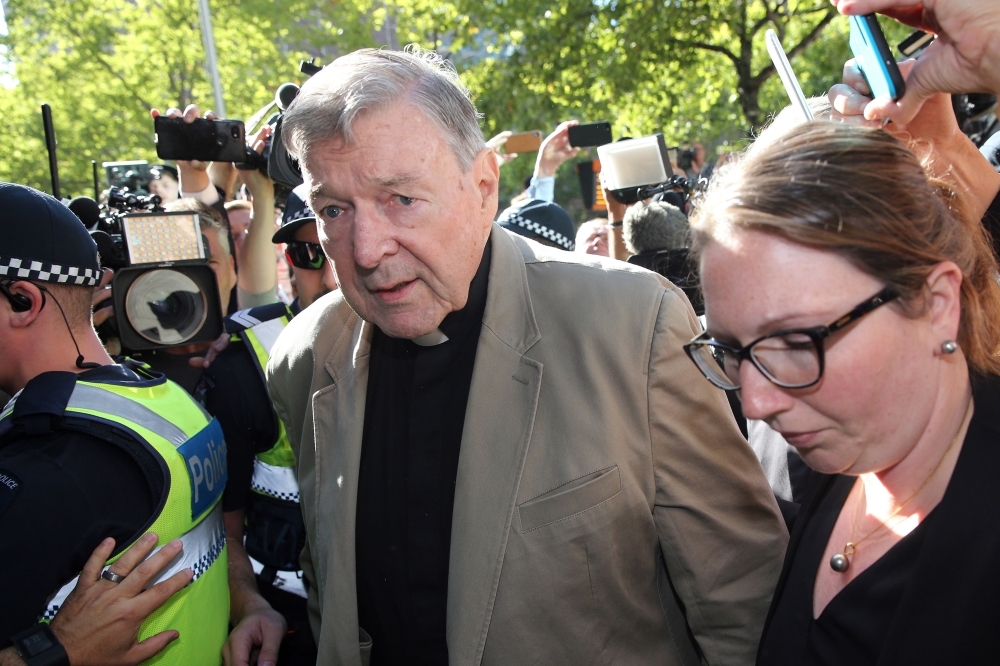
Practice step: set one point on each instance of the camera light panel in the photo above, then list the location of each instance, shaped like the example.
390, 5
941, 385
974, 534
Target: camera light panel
634, 162
154, 238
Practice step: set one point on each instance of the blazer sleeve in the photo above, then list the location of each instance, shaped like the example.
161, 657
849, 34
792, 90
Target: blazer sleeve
720, 531
289, 385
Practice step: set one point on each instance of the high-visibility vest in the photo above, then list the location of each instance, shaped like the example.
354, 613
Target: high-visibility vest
189, 446
275, 534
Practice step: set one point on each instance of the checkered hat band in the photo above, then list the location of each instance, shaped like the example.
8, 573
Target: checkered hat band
27, 269
543, 231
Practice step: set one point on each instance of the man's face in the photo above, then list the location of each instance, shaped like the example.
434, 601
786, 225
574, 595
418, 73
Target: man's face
166, 188
311, 284
404, 226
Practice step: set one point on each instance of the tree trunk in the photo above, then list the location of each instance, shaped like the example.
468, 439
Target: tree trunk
750, 103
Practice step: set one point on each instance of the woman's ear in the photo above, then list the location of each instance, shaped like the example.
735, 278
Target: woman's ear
944, 288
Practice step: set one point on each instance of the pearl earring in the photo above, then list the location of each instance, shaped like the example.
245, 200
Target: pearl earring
949, 347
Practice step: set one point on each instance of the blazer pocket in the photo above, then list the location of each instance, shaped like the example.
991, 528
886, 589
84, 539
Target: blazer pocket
570, 499
366, 647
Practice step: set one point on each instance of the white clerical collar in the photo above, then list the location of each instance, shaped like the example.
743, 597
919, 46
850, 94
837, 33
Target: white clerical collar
431, 339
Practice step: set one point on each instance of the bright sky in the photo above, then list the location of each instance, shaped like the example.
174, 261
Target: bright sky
3, 22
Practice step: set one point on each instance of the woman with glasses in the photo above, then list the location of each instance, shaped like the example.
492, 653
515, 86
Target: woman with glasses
853, 304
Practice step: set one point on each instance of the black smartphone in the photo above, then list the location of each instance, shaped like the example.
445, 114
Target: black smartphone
205, 140
590, 134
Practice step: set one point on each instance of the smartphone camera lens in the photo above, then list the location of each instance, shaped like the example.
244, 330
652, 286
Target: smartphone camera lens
235, 132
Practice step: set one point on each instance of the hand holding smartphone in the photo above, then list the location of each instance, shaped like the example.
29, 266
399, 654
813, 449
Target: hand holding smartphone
202, 139
590, 134
523, 142
871, 51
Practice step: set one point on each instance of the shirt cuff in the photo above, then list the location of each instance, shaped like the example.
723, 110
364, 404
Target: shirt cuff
543, 188
207, 196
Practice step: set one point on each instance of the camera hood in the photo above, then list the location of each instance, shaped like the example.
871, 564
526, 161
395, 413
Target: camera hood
282, 167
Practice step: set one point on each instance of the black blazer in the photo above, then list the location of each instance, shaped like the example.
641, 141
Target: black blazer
950, 612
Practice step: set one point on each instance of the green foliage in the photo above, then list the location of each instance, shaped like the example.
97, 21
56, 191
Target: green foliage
692, 69
102, 64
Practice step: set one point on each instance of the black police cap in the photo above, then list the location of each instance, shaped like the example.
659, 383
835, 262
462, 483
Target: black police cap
297, 213
42, 240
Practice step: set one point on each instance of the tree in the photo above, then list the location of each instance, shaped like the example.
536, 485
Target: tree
102, 64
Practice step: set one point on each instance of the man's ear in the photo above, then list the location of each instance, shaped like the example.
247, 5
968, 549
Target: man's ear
486, 175
944, 289
31, 292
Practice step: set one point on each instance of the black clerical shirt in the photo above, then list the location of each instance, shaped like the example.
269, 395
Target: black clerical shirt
414, 414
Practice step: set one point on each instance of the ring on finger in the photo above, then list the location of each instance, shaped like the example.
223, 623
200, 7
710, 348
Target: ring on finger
107, 574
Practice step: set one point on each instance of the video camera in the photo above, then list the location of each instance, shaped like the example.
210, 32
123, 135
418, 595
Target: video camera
164, 292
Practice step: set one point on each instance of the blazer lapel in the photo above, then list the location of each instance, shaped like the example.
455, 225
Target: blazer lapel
338, 416
498, 423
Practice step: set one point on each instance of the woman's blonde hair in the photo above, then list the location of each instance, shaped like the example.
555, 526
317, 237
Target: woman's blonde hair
863, 194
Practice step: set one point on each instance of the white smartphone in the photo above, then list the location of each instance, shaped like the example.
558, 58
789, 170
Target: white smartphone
791, 83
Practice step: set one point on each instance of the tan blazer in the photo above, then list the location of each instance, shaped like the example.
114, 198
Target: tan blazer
607, 509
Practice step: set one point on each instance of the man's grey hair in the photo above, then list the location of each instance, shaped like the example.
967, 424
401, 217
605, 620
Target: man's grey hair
372, 80
654, 226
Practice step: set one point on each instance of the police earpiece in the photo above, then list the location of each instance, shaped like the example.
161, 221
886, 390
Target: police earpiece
18, 302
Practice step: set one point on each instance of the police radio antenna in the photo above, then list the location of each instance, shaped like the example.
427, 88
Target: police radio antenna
50, 146
97, 190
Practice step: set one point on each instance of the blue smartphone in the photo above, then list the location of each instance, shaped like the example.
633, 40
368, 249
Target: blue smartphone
875, 59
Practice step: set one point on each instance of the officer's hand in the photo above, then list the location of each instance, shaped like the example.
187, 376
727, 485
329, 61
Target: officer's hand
256, 639
217, 348
100, 620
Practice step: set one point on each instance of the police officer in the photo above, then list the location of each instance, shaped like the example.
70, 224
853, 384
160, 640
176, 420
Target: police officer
91, 449
262, 496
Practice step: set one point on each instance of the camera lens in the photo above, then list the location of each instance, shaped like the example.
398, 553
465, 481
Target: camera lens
166, 307
235, 132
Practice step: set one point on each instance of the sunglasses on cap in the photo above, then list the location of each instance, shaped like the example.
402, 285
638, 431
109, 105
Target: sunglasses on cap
305, 255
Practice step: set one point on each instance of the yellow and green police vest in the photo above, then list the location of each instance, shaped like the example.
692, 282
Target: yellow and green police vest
274, 469
190, 447
274, 529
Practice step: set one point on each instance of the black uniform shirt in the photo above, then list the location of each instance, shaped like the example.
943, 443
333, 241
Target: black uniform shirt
234, 392
61, 493
414, 415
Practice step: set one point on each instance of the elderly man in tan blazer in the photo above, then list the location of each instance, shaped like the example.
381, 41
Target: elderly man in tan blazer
606, 509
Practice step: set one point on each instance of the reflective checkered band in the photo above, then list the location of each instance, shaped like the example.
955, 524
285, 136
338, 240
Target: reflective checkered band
278, 482
202, 546
27, 269
545, 232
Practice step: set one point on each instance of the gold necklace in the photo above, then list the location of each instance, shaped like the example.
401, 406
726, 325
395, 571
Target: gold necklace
840, 562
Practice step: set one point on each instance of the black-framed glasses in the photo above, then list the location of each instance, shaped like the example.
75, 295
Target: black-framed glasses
791, 358
305, 255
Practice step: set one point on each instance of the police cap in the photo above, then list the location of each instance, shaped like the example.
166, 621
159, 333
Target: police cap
42, 240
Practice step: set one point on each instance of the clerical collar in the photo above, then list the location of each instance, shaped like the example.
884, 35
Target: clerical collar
431, 339
459, 322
